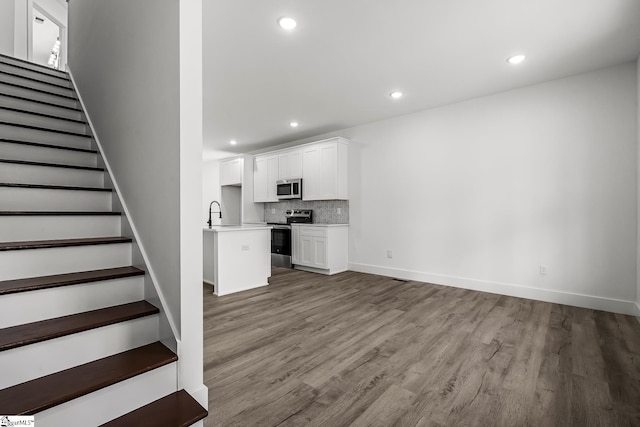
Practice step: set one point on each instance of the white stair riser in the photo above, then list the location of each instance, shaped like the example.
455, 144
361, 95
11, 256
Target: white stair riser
34, 84
120, 398
35, 75
44, 137
38, 96
33, 306
34, 153
41, 199
47, 357
37, 107
25, 263
41, 121
29, 174
11, 61
23, 228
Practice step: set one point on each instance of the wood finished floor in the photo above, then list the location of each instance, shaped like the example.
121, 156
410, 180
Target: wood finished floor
364, 350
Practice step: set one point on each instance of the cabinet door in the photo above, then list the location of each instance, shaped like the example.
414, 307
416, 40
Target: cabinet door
260, 180
319, 252
231, 172
295, 243
306, 251
328, 185
290, 165
265, 175
311, 173
272, 178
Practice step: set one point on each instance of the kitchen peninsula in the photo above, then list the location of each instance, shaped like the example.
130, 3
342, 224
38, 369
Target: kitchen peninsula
236, 257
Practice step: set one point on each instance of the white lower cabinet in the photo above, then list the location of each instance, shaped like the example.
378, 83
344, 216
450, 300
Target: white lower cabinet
320, 248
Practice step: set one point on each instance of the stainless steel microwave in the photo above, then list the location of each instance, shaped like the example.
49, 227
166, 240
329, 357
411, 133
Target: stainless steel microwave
289, 189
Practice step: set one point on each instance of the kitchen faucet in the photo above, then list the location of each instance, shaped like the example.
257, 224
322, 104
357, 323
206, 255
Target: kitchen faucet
219, 212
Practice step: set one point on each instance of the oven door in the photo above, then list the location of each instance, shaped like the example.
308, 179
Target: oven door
281, 241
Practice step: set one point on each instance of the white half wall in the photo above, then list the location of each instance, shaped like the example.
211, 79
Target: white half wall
638, 148
125, 62
482, 193
190, 347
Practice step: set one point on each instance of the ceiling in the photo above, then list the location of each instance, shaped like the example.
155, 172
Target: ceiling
337, 68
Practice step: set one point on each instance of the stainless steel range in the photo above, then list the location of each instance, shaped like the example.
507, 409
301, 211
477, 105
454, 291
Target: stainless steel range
281, 236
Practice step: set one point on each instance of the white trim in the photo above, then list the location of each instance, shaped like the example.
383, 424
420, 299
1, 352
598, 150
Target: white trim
242, 289
136, 235
509, 289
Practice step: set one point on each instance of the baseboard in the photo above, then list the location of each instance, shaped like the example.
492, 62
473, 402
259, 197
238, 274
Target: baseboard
201, 395
578, 300
247, 288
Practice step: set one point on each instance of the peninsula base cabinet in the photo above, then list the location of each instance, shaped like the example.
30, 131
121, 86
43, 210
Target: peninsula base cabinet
320, 248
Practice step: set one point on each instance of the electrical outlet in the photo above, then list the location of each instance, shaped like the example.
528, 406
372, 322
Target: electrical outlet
339, 211
389, 253
543, 270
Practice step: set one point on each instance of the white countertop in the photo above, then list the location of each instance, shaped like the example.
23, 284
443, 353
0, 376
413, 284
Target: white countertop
228, 228
302, 224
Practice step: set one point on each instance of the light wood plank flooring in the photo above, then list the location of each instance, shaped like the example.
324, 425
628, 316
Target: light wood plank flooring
364, 350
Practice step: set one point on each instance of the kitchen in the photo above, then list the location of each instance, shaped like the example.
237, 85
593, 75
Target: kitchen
287, 207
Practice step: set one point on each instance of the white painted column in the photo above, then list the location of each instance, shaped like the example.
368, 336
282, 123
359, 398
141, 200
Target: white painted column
190, 345
638, 180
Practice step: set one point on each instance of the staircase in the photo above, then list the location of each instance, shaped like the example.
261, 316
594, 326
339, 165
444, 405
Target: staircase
79, 345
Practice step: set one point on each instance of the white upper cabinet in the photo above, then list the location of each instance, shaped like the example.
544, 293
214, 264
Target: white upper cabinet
231, 172
324, 170
265, 176
290, 164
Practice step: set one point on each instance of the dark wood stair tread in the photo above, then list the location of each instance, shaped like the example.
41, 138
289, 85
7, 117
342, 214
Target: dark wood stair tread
41, 145
43, 393
61, 243
45, 70
50, 165
178, 409
54, 187
49, 116
51, 104
33, 79
30, 333
58, 280
46, 92
43, 129
58, 213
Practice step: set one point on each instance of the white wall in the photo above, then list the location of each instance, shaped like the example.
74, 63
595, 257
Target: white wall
125, 62
7, 8
480, 193
210, 189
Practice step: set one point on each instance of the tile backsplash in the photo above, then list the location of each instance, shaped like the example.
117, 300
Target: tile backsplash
324, 211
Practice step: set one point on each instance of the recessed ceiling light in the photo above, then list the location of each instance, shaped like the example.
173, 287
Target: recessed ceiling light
516, 59
396, 94
287, 23
293, 124
233, 142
